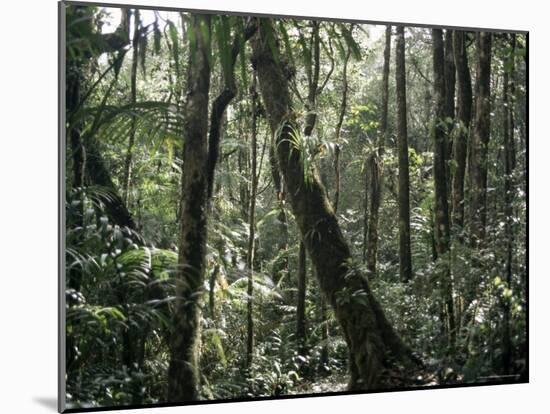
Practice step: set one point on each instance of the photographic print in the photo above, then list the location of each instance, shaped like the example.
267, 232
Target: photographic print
257, 207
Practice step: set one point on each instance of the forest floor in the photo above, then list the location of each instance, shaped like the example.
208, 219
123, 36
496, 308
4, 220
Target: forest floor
333, 383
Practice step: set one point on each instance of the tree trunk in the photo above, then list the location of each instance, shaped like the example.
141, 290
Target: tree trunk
450, 83
480, 140
460, 143
98, 174
133, 94
442, 226
183, 374
251, 233
341, 116
311, 119
509, 165
370, 337
375, 166
405, 261
221, 103
301, 305
74, 275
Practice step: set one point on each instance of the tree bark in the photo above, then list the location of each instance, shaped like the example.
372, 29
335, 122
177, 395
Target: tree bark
460, 143
405, 261
370, 337
480, 140
183, 375
442, 225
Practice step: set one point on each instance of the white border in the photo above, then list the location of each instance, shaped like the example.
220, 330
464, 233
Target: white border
28, 207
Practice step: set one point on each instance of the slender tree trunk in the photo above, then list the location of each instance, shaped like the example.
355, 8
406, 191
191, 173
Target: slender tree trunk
301, 305
366, 212
133, 94
324, 366
375, 165
509, 165
405, 261
221, 103
313, 81
480, 139
442, 224
278, 184
341, 116
74, 275
183, 373
449, 105
251, 232
460, 144
311, 119
370, 337
212, 292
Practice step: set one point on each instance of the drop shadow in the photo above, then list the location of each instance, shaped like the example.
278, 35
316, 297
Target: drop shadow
47, 402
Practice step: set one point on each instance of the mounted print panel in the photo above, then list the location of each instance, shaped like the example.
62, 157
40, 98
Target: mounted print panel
257, 207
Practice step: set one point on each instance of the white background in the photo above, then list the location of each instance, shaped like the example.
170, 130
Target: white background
28, 203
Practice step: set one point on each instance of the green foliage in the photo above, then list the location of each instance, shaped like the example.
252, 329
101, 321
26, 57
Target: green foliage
120, 281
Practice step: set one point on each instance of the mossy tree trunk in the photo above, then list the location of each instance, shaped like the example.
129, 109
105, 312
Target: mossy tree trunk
442, 226
405, 261
183, 374
371, 339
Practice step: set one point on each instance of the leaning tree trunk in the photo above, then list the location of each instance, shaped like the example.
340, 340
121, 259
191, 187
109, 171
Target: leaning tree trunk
460, 143
480, 140
405, 261
375, 166
183, 374
370, 337
442, 226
